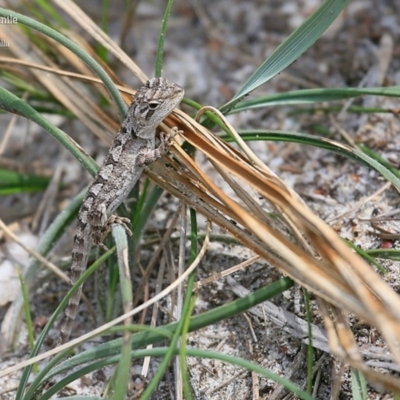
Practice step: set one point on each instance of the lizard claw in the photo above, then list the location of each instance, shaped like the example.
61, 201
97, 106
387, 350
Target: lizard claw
124, 222
166, 138
106, 228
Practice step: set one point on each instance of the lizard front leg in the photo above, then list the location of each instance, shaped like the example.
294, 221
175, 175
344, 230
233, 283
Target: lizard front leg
146, 156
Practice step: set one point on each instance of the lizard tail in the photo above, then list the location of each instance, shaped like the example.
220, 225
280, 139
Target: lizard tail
80, 255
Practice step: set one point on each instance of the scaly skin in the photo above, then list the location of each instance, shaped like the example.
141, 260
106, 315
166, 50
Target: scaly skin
133, 148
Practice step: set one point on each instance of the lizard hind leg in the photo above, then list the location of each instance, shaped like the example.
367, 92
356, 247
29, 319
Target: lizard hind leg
102, 224
115, 219
100, 236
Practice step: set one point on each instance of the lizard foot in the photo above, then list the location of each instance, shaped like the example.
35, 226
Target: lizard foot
146, 157
106, 228
166, 138
115, 219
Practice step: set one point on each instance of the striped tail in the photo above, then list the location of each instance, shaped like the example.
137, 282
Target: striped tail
80, 255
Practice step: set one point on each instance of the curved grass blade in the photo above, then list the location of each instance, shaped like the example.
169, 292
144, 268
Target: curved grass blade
366, 256
291, 49
161, 352
180, 331
15, 105
337, 108
47, 242
36, 382
39, 382
356, 154
307, 96
156, 335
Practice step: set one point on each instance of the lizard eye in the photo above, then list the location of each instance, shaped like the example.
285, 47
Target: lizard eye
153, 105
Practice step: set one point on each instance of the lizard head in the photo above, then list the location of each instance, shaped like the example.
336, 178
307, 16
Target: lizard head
153, 102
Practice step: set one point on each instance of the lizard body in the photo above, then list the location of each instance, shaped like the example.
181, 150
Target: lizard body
132, 149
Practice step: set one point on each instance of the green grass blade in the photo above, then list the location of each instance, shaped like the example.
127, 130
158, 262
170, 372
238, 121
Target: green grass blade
75, 375
121, 375
194, 240
161, 38
21, 86
388, 254
366, 255
356, 154
49, 10
292, 48
143, 214
37, 381
161, 352
307, 96
184, 321
187, 390
156, 335
15, 105
358, 385
27, 311
47, 242
101, 51
12, 182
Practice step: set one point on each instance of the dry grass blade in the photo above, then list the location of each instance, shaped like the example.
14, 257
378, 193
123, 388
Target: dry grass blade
120, 319
219, 275
49, 265
7, 133
33, 253
339, 276
85, 78
99, 35
342, 344
299, 244
74, 97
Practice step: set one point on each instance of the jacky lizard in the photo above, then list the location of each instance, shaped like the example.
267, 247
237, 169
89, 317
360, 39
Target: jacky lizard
133, 148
